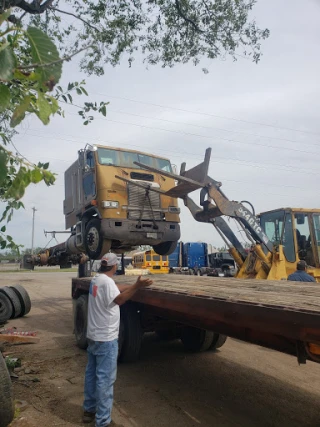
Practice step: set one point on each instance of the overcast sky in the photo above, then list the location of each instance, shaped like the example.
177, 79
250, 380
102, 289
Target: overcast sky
262, 122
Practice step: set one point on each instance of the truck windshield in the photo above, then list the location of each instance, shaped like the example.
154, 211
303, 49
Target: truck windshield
278, 227
126, 159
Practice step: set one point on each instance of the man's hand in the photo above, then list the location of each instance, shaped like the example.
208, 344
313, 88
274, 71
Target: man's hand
143, 283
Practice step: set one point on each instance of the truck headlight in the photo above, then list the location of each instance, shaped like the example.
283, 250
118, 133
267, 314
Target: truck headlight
174, 209
109, 204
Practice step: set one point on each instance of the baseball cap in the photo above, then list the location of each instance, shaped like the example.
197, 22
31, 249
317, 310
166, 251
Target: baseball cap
110, 259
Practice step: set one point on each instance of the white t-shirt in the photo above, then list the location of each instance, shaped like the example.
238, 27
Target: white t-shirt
103, 313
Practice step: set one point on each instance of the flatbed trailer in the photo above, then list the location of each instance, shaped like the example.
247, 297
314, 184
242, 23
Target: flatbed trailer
281, 315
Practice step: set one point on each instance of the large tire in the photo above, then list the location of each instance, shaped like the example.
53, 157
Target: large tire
24, 299
165, 248
218, 341
195, 339
132, 333
81, 321
5, 308
95, 245
15, 301
6, 395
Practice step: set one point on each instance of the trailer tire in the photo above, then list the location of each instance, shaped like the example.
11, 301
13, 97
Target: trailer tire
81, 321
165, 248
132, 333
15, 301
195, 339
6, 395
218, 341
95, 245
24, 299
5, 308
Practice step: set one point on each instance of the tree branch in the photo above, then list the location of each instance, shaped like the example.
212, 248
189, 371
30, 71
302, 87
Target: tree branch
195, 26
75, 16
65, 58
34, 8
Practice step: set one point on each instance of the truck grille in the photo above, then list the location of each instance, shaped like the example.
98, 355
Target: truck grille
137, 199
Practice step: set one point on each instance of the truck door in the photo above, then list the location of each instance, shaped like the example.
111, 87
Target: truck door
89, 179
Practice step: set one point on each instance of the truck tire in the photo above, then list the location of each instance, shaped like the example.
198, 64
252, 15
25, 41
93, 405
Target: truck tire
95, 245
132, 333
81, 321
15, 302
6, 395
5, 308
195, 339
165, 248
24, 299
218, 341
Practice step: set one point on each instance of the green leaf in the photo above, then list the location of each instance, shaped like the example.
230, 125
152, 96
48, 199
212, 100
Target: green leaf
7, 63
84, 91
20, 111
4, 97
3, 229
103, 110
4, 16
3, 244
54, 104
45, 166
3, 166
44, 108
44, 51
36, 176
79, 92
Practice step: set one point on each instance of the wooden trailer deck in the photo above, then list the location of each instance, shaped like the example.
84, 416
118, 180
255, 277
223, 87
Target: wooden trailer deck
276, 314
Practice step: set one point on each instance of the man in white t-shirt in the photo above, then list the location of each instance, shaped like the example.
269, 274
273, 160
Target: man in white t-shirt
105, 297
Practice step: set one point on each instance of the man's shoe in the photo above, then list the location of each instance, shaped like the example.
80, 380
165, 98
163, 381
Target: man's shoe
88, 417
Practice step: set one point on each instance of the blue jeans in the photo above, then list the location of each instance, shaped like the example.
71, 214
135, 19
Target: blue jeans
101, 373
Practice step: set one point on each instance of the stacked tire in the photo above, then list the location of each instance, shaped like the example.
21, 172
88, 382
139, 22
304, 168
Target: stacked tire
14, 302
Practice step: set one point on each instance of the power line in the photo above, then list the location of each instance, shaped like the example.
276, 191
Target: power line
208, 114
264, 165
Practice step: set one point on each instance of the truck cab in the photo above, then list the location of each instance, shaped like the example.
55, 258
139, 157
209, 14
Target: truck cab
109, 206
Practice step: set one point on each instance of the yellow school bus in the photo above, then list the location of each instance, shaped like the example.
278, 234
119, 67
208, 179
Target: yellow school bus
150, 260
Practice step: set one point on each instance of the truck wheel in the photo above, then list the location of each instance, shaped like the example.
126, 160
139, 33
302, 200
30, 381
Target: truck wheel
6, 395
24, 298
218, 341
5, 308
95, 245
80, 321
165, 248
15, 302
195, 339
132, 333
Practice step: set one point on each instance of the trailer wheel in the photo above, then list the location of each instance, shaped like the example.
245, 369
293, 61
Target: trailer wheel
218, 341
24, 299
5, 308
195, 339
15, 302
80, 321
6, 395
132, 333
95, 245
165, 248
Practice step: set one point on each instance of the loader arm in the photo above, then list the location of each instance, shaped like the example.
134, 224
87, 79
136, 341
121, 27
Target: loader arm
197, 178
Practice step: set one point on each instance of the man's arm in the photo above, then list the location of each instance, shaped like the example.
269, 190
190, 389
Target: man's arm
122, 288
130, 290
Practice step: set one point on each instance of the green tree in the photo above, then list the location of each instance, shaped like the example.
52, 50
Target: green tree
37, 36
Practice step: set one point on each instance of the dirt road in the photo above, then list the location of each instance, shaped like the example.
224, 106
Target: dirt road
241, 385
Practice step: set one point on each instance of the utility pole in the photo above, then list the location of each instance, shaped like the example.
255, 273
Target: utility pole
34, 211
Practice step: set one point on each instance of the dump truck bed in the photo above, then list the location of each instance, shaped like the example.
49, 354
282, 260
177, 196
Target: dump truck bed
276, 314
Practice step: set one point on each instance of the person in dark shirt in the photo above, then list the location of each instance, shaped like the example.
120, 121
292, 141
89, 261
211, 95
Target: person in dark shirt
301, 275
